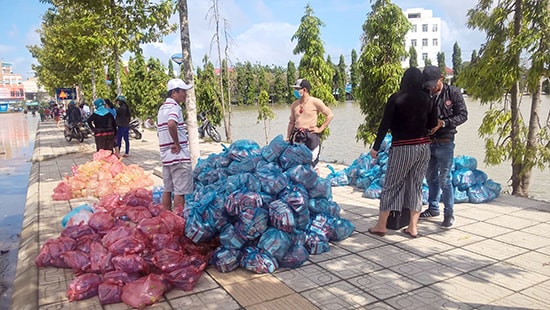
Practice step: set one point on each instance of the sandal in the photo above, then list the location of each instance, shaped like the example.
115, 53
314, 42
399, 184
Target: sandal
378, 233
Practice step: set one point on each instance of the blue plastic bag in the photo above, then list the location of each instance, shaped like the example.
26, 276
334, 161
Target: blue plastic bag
77, 215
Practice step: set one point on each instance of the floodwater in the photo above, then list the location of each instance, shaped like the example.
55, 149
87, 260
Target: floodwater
341, 146
17, 133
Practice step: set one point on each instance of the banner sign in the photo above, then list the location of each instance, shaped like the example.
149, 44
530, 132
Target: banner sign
65, 93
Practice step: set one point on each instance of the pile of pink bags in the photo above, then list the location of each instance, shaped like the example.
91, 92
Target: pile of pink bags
104, 175
129, 249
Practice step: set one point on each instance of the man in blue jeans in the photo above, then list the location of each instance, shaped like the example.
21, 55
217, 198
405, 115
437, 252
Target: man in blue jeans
452, 113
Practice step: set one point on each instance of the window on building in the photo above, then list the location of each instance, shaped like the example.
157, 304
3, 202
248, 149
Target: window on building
434, 42
413, 15
424, 56
413, 28
424, 42
434, 28
424, 27
413, 42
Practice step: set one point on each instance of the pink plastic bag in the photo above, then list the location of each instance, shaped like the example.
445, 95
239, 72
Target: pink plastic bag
144, 291
83, 286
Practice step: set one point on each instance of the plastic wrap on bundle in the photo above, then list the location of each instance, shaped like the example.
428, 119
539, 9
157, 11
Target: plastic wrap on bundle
373, 191
465, 162
243, 148
302, 219
460, 196
295, 154
246, 164
359, 168
229, 239
232, 203
320, 225
274, 241
337, 178
480, 194
198, 230
144, 291
316, 243
425, 194
480, 176
272, 178
295, 257
295, 196
215, 215
80, 214
318, 205
83, 287
493, 186
321, 189
281, 216
252, 223
210, 176
258, 261
226, 260
275, 148
340, 229
251, 200
386, 143
244, 182
302, 174
463, 179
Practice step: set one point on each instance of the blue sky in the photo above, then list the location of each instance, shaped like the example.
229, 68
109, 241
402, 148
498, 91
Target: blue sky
260, 30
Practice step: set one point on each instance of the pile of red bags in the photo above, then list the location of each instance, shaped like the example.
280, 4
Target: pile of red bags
130, 250
104, 175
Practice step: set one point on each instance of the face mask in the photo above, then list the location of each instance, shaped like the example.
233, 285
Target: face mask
297, 94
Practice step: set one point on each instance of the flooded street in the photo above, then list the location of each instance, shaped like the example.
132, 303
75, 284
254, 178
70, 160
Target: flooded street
17, 133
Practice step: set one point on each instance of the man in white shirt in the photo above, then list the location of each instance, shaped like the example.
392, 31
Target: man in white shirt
177, 171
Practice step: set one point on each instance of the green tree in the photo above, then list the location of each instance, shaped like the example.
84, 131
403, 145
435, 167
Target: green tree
208, 98
290, 79
171, 73
280, 86
354, 74
341, 79
380, 63
135, 89
441, 63
427, 62
457, 61
413, 57
313, 66
265, 113
515, 29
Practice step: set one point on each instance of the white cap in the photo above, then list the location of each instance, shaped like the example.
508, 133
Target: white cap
178, 83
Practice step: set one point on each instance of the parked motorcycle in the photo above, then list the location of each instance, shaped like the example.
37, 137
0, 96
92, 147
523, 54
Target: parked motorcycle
73, 131
206, 127
134, 129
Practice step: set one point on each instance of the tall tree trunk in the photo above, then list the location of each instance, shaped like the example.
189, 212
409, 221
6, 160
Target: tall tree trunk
94, 87
220, 76
226, 51
117, 70
517, 160
187, 67
530, 149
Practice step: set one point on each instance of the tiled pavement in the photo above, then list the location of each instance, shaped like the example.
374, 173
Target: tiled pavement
497, 256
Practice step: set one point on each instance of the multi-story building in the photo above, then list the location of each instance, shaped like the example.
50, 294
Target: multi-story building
425, 36
12, 91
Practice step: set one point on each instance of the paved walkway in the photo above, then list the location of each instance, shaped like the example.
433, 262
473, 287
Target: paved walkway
497, 256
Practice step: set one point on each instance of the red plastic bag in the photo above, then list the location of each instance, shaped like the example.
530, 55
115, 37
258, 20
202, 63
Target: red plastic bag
62, 192
83, 286
110, 292
130, 263
101, 222
144, 291
50, 253
100, 258
77, 260
185, 278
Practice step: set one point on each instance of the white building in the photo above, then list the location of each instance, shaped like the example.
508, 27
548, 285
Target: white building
425, 36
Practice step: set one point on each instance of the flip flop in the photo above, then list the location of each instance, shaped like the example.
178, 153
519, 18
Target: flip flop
378, 233
405, 231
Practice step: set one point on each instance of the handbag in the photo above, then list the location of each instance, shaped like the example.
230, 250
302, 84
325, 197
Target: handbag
398, 220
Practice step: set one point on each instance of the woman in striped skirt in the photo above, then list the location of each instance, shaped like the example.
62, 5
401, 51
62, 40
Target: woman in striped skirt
408, 115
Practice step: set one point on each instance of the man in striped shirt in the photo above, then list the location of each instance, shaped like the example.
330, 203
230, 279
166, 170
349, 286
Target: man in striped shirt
177, 173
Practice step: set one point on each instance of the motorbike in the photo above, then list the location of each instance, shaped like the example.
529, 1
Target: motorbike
134, 129
74, 131
206, 128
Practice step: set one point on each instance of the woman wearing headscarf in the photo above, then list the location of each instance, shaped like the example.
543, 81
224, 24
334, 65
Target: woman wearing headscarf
103, 124
409, 115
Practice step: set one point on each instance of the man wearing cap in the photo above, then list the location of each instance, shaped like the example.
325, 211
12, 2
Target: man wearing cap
73, 114
452, 113
302, 125
177, 173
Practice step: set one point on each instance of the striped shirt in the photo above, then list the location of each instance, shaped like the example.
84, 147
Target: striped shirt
171, 110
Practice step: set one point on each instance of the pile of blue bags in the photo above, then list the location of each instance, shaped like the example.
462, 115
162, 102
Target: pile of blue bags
470, 184
267, 205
